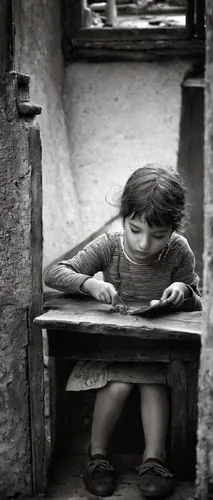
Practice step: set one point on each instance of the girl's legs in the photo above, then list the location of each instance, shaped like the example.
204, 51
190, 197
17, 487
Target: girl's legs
99, 475
155, 480
155, 416
108, 408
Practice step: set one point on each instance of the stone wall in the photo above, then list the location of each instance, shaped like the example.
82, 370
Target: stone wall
21, 363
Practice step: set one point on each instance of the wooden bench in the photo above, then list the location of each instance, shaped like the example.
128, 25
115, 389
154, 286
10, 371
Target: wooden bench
81, 328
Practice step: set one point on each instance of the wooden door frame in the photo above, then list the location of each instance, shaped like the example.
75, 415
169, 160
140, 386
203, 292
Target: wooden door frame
205, 390
35, 346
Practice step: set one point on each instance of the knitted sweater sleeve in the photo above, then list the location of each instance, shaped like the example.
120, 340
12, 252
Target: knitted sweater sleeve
68, 276
184, 271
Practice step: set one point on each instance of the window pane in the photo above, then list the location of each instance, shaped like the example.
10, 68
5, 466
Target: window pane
139, 14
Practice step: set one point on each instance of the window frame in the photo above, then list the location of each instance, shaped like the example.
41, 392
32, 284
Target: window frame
114, 43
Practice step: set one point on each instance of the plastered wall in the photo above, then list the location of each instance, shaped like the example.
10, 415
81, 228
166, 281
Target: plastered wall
119, 116
99, 122
38, 53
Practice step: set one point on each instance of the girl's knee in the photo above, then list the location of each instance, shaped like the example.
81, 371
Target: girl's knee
120, 390
149, 392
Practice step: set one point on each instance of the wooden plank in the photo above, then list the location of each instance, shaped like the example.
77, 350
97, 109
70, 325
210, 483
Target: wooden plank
192, 369
69, 345
83, 314
131, 34
141, 374
191, 164
177, 379
194, 82
35, 345
61, 431
71, 13
188, 46
104, 348
6, 37
190, 10
52, 388
205, 399
200, 19
144, 50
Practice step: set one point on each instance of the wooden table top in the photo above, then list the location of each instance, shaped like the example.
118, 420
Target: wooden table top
85, 315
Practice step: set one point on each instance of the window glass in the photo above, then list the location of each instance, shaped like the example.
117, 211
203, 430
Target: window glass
134, 14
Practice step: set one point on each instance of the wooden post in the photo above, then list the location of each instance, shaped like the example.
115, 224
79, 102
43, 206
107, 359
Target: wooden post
111, 12
71, 18
22, 435
177, 378
200, 19
190, 162
205, 406
6, 36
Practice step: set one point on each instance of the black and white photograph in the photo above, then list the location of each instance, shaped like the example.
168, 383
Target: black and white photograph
106, 249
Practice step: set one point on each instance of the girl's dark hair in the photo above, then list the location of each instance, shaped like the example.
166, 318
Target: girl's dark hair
156, 193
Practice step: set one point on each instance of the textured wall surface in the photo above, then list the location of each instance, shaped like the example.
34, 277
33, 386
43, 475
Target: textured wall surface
38, 53
22, 436
15, 297
15, 460
120, 116
99, 122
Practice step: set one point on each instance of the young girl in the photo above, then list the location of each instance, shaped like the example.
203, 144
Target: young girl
149, 260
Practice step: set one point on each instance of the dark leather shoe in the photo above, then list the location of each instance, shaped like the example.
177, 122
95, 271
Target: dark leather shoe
155, 480
99, 476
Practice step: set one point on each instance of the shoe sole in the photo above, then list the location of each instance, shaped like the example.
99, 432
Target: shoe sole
90, 490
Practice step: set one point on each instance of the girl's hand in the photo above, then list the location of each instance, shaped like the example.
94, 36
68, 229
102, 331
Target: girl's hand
175, 294
100, 290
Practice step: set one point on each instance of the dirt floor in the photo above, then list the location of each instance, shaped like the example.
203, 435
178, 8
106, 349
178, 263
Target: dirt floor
66, 482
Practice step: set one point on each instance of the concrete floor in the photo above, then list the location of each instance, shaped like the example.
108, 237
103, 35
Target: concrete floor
66, 482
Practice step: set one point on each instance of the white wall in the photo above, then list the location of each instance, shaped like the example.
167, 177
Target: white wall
119, 117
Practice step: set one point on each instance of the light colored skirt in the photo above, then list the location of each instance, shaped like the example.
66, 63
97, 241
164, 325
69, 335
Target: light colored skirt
95, 374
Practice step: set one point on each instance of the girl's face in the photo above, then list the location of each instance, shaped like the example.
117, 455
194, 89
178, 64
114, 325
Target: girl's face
141, 240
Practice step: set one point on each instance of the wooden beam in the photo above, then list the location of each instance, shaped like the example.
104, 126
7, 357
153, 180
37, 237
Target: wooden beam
71, 21
111, 12
22, 432
191, 161
132, 50
6, 36
205, 406
130, 34
200, 19
190, 17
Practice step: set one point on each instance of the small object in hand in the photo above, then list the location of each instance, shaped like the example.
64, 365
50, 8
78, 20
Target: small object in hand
120, 306
155, 308
155, 302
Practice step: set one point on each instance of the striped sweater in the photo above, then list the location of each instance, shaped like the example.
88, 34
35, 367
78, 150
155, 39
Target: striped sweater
136, 283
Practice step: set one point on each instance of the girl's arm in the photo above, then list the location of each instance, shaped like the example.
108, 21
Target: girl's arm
184, 291
69, 276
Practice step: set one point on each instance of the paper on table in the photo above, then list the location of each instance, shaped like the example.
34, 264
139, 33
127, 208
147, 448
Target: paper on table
160, 307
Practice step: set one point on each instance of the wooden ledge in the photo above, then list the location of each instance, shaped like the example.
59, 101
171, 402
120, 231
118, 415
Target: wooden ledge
130, 50
194, 82
83, 315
